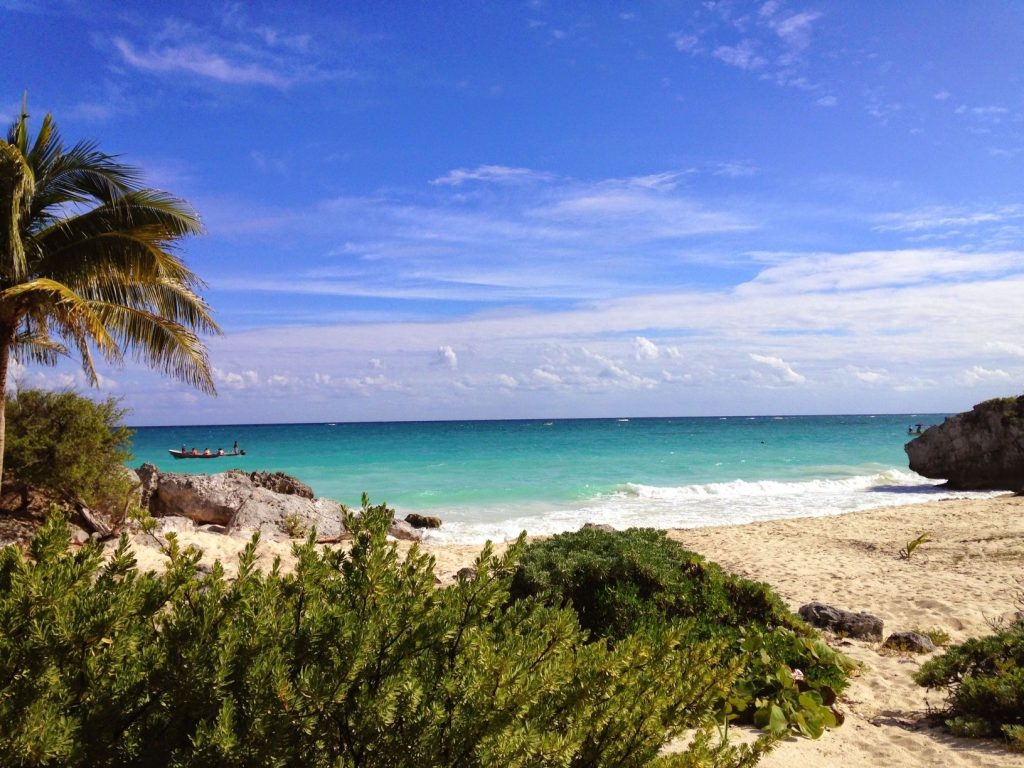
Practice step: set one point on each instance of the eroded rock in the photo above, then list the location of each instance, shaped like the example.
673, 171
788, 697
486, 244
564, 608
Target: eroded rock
914, 642
842, 622
981, 449
422, 521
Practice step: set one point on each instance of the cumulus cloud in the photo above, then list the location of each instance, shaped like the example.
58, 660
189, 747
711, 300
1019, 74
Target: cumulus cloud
645, 349
977, 374
743, 55
446, 356
780, 367
236, 379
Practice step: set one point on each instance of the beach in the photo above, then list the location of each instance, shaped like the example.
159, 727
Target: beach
960, 581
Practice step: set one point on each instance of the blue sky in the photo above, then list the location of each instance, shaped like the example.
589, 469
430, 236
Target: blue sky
529, 209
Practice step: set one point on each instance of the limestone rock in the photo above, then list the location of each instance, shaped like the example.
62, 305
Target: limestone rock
283, 516
914, 642
842, 622
279, 482
466, 574
149, 477
402, 530
599, 527
981, 449
174, 523
201, 498
422, 521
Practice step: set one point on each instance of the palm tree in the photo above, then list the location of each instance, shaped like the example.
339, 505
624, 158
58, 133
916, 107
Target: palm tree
87, 262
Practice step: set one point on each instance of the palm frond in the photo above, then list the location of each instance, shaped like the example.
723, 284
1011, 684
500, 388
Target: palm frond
35, 348
160, 343
16, 187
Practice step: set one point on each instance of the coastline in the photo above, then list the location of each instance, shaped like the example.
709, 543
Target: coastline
961, 580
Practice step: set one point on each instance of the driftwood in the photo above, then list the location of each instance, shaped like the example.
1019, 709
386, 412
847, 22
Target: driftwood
94, 522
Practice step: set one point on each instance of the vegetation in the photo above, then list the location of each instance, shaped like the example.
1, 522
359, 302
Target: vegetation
984, 682
908, 551
70, 448
622, 583
87, 261
354, 659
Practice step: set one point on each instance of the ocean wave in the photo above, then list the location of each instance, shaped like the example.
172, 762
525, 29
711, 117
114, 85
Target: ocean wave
695, 506
890, 478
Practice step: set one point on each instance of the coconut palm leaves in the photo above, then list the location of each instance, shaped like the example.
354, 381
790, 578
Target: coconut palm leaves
88, 262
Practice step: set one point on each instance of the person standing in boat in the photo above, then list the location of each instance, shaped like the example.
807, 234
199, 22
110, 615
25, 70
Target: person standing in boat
235, 448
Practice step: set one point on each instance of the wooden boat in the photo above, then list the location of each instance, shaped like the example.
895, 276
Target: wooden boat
190, 455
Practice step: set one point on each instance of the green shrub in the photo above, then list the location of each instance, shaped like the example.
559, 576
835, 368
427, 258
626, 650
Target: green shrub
622, 582
69, 447
984, 682
353, 659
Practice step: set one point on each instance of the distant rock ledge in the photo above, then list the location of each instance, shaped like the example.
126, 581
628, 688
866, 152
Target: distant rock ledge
979, 450
237, 502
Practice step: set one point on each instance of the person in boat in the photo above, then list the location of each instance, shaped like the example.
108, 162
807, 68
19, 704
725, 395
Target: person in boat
234, 449
207, 452
220, 451
183, 451
195, 451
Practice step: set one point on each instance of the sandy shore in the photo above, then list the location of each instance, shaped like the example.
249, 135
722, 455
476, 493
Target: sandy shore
960, 581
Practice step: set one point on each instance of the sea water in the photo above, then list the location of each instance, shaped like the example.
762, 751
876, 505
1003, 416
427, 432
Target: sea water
492, 479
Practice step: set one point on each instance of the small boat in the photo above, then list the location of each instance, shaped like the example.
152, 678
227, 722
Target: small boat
190, 455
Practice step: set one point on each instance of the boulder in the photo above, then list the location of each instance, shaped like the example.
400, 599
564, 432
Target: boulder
842, 622
282, 516
422, 521
914, 642
402, 530
201, 498
174, 523
599, 527
279, 482
981, 449
466, 574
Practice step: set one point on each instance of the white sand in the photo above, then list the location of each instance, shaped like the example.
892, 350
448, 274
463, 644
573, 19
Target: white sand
960, 581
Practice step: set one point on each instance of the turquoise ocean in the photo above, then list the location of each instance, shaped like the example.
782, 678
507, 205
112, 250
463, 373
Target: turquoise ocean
492, 479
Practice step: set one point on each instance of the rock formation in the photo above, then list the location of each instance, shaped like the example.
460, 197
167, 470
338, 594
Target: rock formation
982, 449
842, 622
238, 503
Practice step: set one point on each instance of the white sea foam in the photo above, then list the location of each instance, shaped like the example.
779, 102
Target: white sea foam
693, 506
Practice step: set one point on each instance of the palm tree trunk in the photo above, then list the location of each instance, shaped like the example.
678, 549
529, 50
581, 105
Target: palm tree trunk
5, 359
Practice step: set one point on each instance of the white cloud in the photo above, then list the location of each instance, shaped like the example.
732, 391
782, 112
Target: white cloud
507, 381
546, 377
942, 95
870, 377
781, 367
645, 349
827, 101
1006, 347
235, 379
743, 55
795, 30
196, 60
446, 356
977, 374
491, 173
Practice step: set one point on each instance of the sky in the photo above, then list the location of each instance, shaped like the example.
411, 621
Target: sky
549, 209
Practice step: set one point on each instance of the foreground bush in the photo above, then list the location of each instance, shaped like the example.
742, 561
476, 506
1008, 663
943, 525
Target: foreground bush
70, 448
354, 659
623, 582
984, 680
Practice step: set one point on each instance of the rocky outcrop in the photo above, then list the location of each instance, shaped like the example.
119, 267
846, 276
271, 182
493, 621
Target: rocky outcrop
982, 449
283, 516
279, 482
842, 622
239, 503
201, 498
